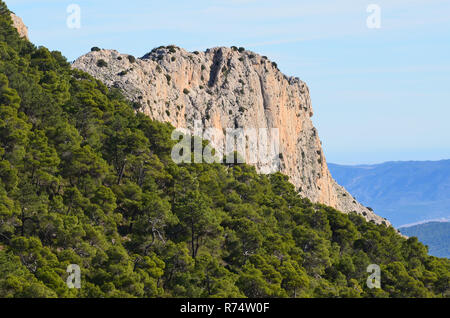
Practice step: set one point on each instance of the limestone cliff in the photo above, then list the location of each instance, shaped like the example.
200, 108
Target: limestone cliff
19, 25
228, 88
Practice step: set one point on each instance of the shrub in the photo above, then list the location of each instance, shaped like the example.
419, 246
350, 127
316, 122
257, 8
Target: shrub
95, 49
136, 105
131, 58
234, 48
168, 78
119, 58
241, 49
173, 58
123, 73
196, 52
186, 91
172, 49
102, 63
274, 65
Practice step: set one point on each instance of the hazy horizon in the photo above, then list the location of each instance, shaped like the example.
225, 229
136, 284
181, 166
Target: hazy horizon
383, 162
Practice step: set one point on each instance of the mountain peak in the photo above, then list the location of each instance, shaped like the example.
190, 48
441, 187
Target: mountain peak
227, 88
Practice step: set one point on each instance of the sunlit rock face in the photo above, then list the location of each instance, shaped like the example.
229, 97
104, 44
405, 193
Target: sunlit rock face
20, 26
227, 88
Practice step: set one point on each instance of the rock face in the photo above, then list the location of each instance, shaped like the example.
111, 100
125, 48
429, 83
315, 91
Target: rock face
228, 88
19, 25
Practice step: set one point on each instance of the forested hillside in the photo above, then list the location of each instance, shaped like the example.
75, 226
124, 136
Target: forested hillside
86, 180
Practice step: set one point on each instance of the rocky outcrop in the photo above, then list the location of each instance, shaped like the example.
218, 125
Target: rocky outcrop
228, 88
20, 26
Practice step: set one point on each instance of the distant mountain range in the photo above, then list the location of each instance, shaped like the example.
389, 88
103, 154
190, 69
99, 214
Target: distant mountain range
434, 234
404, 192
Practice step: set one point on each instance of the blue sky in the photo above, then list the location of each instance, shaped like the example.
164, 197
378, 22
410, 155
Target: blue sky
378, 94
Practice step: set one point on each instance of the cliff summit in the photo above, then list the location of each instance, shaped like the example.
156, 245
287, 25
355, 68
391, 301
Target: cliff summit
228, 88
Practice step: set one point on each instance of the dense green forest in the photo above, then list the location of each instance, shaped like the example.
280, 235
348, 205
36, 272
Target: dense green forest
87, 180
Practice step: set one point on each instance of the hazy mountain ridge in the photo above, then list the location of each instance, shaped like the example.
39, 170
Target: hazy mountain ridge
434, 234
404, 192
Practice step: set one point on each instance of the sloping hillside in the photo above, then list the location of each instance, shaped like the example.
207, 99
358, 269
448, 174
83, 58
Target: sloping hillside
86, 180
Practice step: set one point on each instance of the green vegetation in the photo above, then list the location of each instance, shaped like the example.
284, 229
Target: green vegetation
102, 63
172, 48
86, 180
131, 58
186, 91
95, 49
